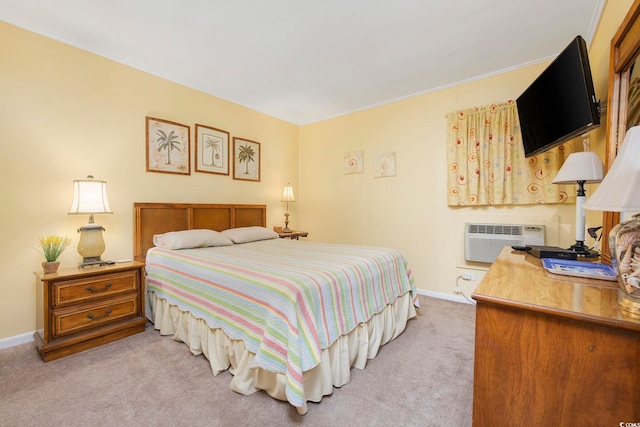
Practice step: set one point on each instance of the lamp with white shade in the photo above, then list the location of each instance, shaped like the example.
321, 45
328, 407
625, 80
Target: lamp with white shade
287, 196
90, 198
620, 192
580, 168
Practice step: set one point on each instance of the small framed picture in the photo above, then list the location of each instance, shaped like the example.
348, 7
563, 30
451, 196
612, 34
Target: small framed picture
168, 148
212, 150
353, 162
384, 165
246, 159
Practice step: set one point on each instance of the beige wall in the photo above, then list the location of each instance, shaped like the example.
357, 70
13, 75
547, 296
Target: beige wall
66, 113
409, 211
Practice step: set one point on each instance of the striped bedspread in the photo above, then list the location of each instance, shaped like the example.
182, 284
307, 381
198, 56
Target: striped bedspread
287, 300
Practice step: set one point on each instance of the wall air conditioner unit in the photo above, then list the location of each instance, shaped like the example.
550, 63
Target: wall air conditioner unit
483, 242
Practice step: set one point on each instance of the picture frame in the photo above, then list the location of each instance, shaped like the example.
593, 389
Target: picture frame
212, 150
168, 146
246, 159
384, 165
353, 162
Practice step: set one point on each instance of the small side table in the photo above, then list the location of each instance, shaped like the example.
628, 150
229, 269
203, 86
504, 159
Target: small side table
295, 234
78, 309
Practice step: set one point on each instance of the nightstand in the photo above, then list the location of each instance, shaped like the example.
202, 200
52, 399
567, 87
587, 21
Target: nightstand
293, 235
78, 309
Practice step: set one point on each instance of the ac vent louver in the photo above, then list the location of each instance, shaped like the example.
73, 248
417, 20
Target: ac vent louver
483, 242
499, 229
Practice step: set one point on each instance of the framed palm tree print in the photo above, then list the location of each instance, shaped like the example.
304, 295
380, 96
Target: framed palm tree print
212, 150
168, 147
246, 159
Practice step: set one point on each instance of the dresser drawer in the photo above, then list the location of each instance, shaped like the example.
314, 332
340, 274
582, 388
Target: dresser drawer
87, 289
70, 320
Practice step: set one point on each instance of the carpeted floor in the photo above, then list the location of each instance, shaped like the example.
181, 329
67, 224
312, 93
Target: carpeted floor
423, 378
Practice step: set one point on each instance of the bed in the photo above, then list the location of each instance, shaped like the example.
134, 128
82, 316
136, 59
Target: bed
285, 316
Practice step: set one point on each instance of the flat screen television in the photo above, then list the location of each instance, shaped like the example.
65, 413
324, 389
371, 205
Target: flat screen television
561, 103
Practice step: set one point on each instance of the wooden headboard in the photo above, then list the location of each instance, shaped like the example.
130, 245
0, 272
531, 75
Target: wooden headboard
158, 218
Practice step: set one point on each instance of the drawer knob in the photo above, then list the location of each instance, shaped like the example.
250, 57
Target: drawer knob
94, 290
106, 314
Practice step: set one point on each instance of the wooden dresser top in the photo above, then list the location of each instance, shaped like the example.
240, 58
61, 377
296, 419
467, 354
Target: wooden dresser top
517, 279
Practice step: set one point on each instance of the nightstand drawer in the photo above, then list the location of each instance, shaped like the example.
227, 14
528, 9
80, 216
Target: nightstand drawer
81, 290
70, 320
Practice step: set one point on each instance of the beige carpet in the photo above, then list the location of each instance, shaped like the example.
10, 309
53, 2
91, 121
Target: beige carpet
423, 378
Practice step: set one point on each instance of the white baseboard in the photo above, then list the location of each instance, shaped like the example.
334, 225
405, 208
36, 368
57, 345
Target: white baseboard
440, 295
16, 340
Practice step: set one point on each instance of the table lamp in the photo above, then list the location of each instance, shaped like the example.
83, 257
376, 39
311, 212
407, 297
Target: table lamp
90, 197
287, 196
581, 168
620, 192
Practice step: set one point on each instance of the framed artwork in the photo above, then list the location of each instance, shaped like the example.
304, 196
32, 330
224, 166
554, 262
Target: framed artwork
384, 165
212, 150
246, 159
353, 162
168, 148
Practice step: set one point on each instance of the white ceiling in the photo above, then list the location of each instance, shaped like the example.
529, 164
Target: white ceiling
305, 61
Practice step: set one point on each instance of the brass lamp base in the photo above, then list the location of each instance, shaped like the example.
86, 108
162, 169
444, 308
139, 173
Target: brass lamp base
286, 223
91, 245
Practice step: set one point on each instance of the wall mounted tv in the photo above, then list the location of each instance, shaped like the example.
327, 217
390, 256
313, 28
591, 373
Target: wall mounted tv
561, 103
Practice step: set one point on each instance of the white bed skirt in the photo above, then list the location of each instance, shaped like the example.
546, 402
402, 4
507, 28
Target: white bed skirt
353, 349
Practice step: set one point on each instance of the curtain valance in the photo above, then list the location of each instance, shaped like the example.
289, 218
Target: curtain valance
487, 165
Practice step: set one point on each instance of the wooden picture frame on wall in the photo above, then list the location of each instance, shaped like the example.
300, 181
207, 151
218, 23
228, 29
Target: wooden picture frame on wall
246, 159
168, 146
384, 165
212, 150
353, 162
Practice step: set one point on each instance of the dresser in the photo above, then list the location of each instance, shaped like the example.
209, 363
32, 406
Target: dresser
552, 350
78, 309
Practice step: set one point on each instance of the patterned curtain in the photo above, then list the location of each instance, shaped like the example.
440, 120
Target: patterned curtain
487, 164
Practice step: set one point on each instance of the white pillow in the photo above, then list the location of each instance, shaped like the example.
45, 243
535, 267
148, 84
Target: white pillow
186, 239
249, 234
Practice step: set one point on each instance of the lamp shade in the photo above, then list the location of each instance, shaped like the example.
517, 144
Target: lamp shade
620, 189
584, 166
287, 194
89, 197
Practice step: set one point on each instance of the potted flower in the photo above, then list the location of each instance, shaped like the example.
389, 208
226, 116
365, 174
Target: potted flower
52, 248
